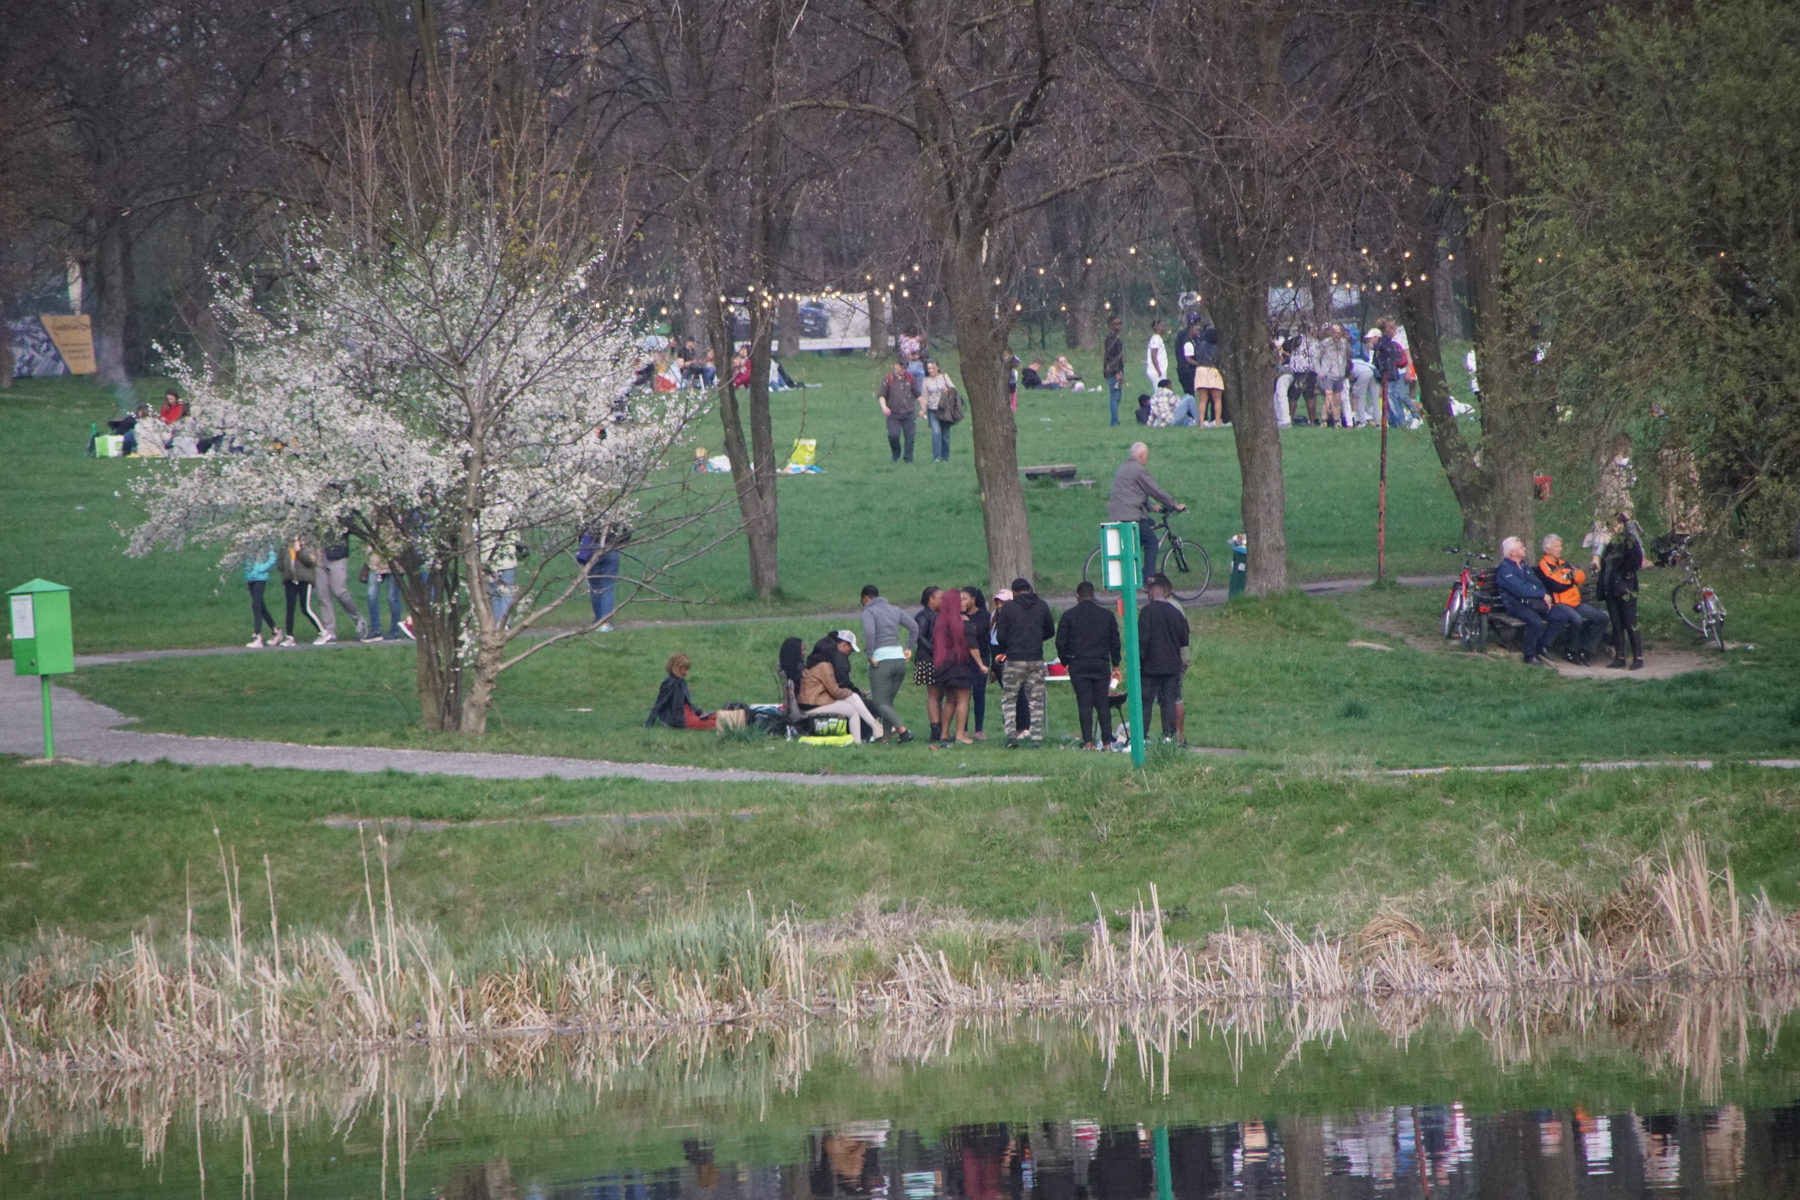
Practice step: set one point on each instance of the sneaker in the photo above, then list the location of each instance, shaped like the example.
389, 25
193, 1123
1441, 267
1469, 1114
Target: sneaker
604, 627
255, 643
1637, 664
1617, 664
406, 628
287, 641
1012, 743
979, 736
325, 638
373, 635
904, 737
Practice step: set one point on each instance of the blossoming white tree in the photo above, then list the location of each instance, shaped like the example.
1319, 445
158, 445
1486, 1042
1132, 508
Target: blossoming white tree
450, 398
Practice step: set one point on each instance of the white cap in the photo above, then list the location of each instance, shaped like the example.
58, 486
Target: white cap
844, 635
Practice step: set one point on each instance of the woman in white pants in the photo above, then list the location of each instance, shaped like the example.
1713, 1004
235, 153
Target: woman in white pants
821, 695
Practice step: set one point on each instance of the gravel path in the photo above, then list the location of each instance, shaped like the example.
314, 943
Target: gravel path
91, 732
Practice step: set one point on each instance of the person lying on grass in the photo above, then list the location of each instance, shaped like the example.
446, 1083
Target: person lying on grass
674, 707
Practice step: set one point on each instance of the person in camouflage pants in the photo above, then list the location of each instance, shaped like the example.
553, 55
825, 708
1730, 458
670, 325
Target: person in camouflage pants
1027, 677
1020, 632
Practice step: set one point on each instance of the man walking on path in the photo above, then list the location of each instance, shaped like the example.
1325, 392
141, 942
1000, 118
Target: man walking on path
1163, 659
1112, 367
1133, 498
1020, 632
1087, 642
882, 623
899, 398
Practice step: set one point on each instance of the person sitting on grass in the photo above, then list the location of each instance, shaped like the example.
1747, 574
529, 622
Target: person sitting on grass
821, 693
1167, 409
1563, 582
674, 706
1524, 597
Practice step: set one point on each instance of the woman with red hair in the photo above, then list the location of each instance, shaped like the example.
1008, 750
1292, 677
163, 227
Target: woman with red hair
956, 666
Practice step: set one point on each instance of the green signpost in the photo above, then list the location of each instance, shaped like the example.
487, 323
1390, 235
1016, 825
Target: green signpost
43, 639
1123, 554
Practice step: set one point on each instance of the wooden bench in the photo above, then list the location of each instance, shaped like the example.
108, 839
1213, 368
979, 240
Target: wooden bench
1052, 471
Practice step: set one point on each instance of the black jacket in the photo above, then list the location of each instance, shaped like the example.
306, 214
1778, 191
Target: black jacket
1162, 632
1619, 566
976, 628
1024, 625
1087, 641
672, 703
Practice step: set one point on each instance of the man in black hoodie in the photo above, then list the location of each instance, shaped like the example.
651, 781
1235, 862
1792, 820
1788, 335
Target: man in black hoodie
1020, 632
1163, 658
1087, 642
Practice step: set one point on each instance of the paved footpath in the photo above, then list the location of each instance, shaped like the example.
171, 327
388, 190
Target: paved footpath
92, 732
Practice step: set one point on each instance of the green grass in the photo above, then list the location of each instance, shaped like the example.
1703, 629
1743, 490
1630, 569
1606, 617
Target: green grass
1277, 678
100, 852
863, 520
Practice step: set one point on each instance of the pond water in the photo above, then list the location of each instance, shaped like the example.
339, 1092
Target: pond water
1592, 1097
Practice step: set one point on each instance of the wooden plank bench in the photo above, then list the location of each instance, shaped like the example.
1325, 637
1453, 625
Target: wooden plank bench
1051, 471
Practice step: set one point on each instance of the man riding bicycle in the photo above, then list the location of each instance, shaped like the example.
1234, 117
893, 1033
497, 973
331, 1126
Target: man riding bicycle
1134, 496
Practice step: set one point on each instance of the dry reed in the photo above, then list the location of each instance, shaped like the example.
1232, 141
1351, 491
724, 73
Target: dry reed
68, 1009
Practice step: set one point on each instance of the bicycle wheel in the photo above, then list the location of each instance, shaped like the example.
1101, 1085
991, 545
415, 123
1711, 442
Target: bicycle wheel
1472, 628
1715, 623
1686, 599
1453, 611
1188, 568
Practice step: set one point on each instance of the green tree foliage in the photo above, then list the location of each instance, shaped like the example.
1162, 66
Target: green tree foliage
1660, 245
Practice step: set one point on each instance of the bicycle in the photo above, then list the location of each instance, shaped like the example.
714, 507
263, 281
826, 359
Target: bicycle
1464, 616
1185, 563
1698, 606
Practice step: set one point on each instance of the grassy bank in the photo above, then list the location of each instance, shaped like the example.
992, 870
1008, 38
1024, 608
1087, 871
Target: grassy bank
864, 519
1280, 679
101, 853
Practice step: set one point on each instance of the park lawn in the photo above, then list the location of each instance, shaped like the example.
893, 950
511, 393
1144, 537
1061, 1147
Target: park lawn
865, 519
100, 852
1276, 678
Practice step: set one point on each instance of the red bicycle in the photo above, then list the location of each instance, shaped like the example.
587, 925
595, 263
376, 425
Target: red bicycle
1466, 611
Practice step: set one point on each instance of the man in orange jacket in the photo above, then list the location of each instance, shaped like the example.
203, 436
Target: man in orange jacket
1563, 582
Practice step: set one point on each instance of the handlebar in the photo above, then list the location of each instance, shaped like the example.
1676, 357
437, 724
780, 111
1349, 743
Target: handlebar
1464, 553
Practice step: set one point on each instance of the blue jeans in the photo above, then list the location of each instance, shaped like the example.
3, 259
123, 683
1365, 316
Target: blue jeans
376, 579
602, 578
1115, 388
940, 438
501, 592
1541, 632
1399, 409
1187, 412
1148, 541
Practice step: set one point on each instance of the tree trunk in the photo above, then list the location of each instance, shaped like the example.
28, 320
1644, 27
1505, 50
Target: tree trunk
113, 306
1078, 321
1239, 312
1419, 314
981, 340
878, 326
788, 327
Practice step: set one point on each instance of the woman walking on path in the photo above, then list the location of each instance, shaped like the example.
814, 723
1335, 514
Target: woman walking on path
923, 649
979, 632
256, 575
956, 665
297, 576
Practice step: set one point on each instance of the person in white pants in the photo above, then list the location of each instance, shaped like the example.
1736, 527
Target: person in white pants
333, 584
821, 695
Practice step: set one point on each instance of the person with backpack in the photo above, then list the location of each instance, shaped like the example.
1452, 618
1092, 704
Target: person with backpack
1391, 363
943, 408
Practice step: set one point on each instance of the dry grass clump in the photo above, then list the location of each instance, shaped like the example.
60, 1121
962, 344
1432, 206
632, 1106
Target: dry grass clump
71, 1007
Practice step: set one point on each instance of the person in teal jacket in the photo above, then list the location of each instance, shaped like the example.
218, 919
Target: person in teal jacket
256, 574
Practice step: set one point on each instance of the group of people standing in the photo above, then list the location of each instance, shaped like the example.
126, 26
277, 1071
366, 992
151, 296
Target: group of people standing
1201, 400
1351, 375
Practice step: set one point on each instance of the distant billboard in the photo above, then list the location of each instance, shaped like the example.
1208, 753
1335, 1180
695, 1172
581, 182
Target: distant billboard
53, 344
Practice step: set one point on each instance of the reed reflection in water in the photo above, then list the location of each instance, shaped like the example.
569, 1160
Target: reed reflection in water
1687, 1090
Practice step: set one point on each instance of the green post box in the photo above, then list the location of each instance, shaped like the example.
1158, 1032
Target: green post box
43, 640
1122, 556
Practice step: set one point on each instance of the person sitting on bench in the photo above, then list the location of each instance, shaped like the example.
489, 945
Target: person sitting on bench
823, 695
674, 707
1524, 596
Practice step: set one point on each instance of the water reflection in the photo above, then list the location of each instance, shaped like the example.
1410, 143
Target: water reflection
1434, 1152
1589, 1095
